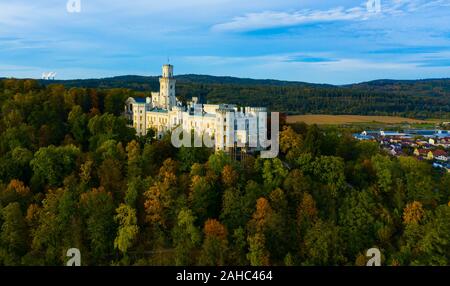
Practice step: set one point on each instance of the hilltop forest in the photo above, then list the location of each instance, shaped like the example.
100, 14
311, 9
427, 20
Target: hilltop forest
415, 98
73, 175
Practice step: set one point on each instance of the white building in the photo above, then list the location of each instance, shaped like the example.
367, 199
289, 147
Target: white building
228, 125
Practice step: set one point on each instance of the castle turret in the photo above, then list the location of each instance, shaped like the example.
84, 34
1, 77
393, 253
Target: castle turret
167, 88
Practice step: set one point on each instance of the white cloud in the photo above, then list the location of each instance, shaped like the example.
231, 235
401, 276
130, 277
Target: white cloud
272, 19
276, 19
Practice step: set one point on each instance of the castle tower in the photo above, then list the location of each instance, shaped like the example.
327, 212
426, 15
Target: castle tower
167, 88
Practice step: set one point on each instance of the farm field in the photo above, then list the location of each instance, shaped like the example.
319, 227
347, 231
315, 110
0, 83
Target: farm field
322, 119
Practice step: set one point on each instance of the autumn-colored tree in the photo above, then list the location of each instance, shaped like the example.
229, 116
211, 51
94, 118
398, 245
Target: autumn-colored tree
86, 171
111, 177
215, 244
161, 196
295, 184
307, 209
15, 191
259, 226
229, 176
290, 143
413, 213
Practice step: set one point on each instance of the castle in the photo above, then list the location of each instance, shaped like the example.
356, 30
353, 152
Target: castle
227, 125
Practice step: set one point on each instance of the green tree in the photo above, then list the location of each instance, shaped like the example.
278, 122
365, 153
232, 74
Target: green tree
51, 164
99, 222
134, 159
13, 235
323, 245
78, 122
128, 229
186, 237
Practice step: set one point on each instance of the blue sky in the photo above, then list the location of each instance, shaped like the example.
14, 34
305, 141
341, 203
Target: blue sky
335, 42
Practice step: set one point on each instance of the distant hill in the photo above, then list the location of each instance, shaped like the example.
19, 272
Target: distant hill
426, 87
413, 98
143, 83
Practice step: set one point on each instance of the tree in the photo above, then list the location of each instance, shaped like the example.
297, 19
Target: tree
356, 217
295, 184
218, 161
419, 181
186, 237
434, 246
13, 235
274, 173
238, 249
128, 229
15, 191
258, 254
161, 196
156, 153
106, 127
215, 244
99, 223
413, 213
188, 156
58, 226
290, 143
204, 197
322, 245
259, 226
110, 175
330, 170
78, 122
51, 164
229, 176
384, 169
234, 213
313, 141
134, 159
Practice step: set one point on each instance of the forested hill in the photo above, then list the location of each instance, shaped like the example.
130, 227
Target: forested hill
416, 98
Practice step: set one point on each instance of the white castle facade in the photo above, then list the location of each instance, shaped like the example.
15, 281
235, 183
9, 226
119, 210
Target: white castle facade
226, 124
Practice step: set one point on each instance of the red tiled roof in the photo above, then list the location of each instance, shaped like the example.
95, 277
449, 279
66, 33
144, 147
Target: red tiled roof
439, 153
